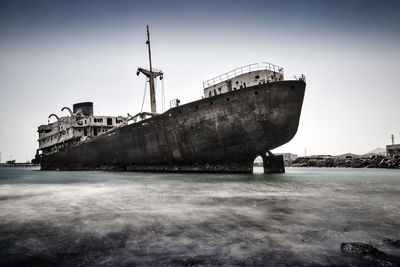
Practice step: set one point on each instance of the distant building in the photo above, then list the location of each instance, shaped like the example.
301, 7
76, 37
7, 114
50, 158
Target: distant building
393, 150
10, 161
321, 157
348, 156
288, 157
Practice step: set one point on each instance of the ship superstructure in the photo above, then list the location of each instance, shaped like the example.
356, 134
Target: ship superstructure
71, 130
242, 77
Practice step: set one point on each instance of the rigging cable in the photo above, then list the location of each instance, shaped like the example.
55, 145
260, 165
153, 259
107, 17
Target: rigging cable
144, 94
162, 95
155, 88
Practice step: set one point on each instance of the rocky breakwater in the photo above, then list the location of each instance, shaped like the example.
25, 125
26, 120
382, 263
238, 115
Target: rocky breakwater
354, 162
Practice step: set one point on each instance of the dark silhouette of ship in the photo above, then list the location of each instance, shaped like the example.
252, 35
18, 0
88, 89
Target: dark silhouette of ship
245, 113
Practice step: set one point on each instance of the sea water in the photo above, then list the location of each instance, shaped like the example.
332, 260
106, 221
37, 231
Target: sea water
124, 219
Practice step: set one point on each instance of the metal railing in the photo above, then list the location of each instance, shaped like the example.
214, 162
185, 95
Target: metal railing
301, 77
242, 70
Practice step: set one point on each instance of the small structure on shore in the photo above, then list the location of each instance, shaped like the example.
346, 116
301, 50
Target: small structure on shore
393, 150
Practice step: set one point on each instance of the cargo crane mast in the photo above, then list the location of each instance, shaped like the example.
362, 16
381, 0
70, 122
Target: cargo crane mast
392, 137
151, 75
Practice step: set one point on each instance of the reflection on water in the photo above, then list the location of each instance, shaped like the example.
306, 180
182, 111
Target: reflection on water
107, 218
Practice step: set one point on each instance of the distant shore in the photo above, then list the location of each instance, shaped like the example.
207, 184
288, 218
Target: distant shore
27, 164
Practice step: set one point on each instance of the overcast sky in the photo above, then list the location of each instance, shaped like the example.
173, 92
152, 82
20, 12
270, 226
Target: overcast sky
56, 53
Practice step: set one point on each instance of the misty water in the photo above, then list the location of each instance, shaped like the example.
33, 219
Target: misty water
118, 219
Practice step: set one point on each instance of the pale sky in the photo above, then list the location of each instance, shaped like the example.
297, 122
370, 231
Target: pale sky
57, 53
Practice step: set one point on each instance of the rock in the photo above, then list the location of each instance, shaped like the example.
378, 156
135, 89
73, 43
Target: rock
360, 249
392, 243
369, 254
356, 162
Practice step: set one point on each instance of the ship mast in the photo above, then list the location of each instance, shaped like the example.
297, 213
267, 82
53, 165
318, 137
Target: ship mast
151, 75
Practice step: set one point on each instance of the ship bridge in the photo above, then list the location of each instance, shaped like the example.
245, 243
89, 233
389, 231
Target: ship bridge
242, 77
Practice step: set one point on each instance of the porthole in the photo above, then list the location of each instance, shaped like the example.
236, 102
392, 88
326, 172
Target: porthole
197, 107
227, 99
256, 92
211, 103
179, 111
292, 87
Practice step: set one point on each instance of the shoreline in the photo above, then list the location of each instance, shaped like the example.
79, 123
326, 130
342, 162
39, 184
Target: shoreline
377, 162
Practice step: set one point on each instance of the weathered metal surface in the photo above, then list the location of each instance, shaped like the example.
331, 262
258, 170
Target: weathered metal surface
223, 133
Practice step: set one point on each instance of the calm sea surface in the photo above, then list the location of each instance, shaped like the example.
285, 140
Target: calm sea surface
119, 219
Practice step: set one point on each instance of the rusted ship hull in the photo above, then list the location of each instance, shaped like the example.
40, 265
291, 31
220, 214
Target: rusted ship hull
224, 133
